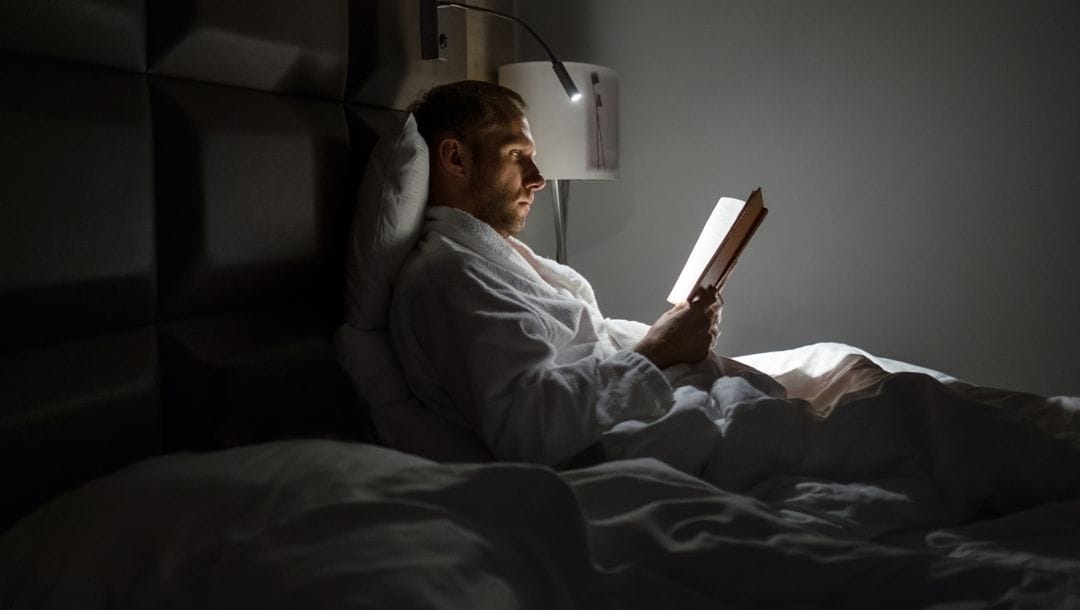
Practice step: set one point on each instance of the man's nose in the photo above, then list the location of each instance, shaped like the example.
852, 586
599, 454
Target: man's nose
534, 180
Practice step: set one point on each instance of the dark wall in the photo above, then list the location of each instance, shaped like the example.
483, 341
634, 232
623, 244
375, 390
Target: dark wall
176, 182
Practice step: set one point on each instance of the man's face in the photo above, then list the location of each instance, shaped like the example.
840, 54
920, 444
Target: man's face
505, 177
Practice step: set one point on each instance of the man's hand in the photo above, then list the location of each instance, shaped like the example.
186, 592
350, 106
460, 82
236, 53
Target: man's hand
684, 333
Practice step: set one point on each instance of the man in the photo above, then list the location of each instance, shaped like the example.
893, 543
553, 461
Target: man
501, 340
513, 346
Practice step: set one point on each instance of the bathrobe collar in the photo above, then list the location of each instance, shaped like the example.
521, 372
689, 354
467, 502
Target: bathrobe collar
507, 252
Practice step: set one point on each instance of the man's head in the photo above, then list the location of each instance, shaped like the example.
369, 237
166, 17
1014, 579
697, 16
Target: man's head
481, 152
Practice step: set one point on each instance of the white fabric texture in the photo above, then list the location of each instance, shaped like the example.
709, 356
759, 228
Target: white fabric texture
321, 524
514, 346
386, 223
385, 226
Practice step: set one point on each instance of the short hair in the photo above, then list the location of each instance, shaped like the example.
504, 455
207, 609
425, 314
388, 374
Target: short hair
464, 110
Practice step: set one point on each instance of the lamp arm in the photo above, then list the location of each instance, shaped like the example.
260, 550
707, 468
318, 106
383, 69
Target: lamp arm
560, 69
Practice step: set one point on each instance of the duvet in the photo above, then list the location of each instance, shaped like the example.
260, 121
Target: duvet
874, 484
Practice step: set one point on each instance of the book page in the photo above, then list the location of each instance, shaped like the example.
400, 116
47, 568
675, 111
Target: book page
716, 227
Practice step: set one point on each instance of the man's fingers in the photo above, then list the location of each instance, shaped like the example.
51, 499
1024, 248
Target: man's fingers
702, 297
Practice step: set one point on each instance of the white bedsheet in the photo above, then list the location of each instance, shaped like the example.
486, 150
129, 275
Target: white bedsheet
319, 524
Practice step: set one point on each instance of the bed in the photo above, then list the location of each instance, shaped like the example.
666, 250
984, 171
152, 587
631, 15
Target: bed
192, 418
324, 523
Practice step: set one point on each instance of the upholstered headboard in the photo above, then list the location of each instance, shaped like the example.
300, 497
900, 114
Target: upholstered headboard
176, 184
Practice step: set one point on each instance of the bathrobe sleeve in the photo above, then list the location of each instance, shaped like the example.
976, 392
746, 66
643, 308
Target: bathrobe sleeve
533, 390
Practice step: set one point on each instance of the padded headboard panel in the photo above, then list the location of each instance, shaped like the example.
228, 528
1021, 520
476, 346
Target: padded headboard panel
176, 183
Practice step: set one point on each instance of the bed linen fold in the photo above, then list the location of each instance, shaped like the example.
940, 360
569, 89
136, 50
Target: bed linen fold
816, 477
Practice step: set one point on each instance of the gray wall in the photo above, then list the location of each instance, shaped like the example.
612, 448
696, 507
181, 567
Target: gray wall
921, 162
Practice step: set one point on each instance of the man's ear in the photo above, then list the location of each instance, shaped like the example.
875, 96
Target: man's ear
453, 157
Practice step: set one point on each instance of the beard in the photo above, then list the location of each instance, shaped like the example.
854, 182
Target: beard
497, 205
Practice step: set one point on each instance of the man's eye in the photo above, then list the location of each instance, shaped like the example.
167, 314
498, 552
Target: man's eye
516, 154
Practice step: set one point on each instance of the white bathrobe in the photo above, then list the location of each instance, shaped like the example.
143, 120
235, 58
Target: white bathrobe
513, 345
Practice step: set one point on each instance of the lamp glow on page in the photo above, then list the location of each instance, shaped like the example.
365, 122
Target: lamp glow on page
729, 228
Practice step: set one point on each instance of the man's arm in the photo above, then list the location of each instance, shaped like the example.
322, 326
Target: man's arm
500, 365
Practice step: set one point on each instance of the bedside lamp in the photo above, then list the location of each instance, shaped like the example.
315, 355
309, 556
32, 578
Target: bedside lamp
575, 140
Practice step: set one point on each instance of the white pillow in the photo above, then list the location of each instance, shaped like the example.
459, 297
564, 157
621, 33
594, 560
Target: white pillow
386, 223
385, 228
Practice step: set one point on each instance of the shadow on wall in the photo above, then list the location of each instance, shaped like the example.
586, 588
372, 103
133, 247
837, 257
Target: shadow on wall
388, 70
278, 46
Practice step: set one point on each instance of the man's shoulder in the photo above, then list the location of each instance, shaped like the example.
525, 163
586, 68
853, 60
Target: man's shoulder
435, 260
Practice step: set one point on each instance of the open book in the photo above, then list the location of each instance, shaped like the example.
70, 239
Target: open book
725, 234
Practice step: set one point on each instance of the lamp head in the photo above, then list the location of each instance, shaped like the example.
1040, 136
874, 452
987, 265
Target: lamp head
567, 82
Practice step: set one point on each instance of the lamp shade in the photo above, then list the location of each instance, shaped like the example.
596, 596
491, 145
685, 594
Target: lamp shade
574, 140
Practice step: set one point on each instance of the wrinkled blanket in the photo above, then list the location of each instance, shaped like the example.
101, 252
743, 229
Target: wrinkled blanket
871, 488
865, 446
